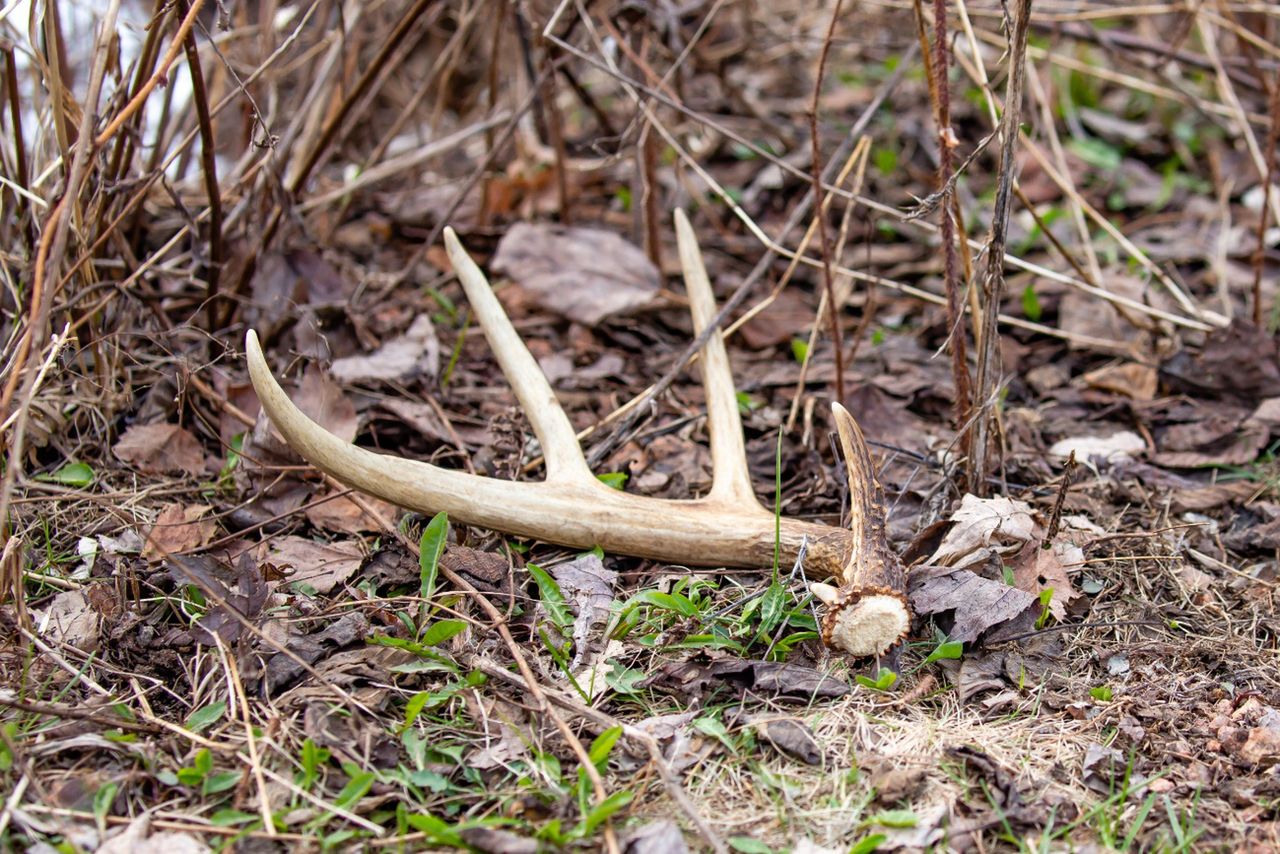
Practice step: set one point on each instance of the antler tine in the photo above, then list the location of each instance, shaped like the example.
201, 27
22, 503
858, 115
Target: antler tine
868, 613
564, 458
731, 479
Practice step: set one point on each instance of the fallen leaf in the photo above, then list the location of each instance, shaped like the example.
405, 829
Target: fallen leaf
69, 619
416, 352
493, 840
179, 528
1036, 569
656, 837
1101, 450
1131, 379
283, 670
789, 736
589, 587
1212, 440
979, 603
584, 274
1240, 362
341, 515
981, 523
159, 449
320, 566
137, 838
325, 403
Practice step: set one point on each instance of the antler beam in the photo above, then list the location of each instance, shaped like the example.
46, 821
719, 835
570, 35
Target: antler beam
867, 611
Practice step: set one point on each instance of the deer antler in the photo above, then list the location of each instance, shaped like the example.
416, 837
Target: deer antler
867, 611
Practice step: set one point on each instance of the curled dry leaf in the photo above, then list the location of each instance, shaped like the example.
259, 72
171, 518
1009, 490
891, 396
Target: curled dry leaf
584, 274
160, 449
982, 524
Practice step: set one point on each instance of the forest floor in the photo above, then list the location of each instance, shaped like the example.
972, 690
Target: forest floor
205, 643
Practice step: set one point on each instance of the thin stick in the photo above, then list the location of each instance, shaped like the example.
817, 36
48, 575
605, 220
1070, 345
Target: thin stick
993, 281
209, 168
947, 142
1259, 252
815, 140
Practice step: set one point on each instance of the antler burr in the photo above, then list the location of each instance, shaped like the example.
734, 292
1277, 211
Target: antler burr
866, 610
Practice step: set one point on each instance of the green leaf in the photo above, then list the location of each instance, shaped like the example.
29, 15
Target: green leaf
429, 550
868, 843
552, 598
355, 789
603, 810
1031, 303
800, 349
774, 600
1101, 693
613, 479
203, 718
215, 783
886, 160
748, 845
232, 817
440, 631
72, 474
947, 649
682, 605
1098, 154
102, 800
883, 681
895, 818
602, 746
623, 680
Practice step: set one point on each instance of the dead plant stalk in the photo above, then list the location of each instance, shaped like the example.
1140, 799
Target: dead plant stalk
988, 378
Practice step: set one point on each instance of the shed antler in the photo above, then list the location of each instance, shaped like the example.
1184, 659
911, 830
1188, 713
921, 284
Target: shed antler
867, 612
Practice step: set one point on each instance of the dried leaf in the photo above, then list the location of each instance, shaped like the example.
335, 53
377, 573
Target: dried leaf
325, 403
1036, 569
1131, 379
69, 619
790, 737
179, 528
342, 515
1101, 450
586, 583
1240, 362
584, 274
320, 566
159, 449
137, 838
981, 523
416, 352
979, 603
656, 837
